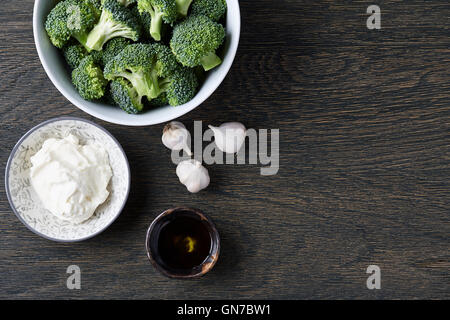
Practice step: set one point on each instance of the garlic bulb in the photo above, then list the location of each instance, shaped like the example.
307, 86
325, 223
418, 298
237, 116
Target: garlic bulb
175, 137
193, 175
230, 136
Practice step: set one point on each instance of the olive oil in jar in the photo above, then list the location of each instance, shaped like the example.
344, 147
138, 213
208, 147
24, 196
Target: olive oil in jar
184, 243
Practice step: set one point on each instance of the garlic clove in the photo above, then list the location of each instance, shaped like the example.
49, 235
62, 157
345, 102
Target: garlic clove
175, 137
230, 136
193, 175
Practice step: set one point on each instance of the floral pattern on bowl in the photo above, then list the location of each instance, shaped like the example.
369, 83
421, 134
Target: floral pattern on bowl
26, 203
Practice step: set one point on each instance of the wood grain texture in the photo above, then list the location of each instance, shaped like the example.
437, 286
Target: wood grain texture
364, 119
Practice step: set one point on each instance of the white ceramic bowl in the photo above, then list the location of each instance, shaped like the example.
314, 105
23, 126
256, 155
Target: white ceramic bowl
25, 202
56, 69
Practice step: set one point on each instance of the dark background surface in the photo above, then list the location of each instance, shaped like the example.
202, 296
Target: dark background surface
364, 121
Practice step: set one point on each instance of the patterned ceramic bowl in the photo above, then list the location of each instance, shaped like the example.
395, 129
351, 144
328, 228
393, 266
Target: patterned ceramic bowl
27, 205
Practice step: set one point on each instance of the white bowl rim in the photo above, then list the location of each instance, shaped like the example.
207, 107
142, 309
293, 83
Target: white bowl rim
13, 153
225, 66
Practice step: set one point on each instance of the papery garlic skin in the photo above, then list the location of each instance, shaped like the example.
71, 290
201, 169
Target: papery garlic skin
230, 136
175, 137
193, 175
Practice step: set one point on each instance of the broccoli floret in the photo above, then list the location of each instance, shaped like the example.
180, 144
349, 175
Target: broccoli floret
70, 18
125, 3
96, 5
143, 65
150, 70
145, 20
159, 10
98, 57
180, 86
195, 41
89, 80
113, 48
166, 62
183, 7
160, 101
136, 64
115, 21
178, 83
73, 54
126, 96
213, 9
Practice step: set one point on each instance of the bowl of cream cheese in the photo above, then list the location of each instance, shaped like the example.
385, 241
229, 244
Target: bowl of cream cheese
67, 179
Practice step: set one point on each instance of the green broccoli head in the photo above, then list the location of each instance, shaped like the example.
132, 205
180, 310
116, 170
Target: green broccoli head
115, 21
180, 86
213, 9
165, 62
95, 3
96, 6
98, 57
159, 10
70, 18
150, 70
183, 7
135, 63
145, 19
126, 96
112, 48
143, 65
160, 101
74, 53
88, 79
195, 41
125, 3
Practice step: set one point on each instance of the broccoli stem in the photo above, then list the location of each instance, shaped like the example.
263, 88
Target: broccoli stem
210, 61
163, 83
183, 7
96, 37
82, 39
154, 88
146, 84
156, 24
103, 32
95, 40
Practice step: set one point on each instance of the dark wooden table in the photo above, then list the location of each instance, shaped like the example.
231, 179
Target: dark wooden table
364, 119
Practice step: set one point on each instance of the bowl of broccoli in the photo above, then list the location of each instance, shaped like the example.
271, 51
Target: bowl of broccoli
136, 62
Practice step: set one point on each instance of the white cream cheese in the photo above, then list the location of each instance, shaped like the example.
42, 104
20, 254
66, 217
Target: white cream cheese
71, 179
